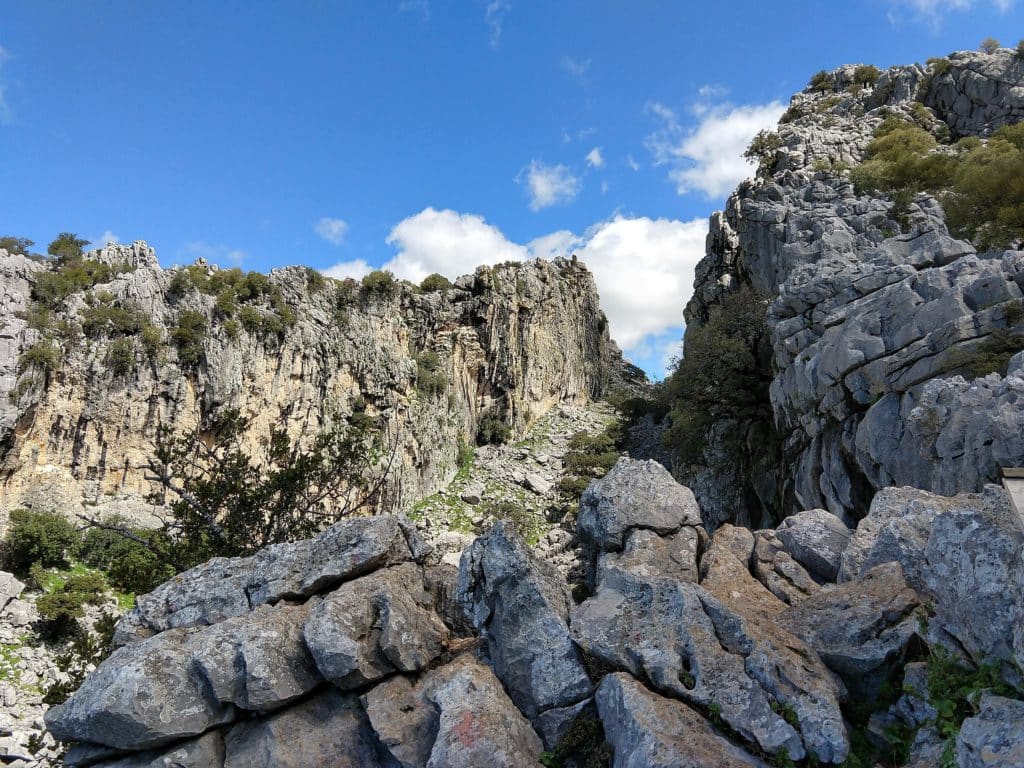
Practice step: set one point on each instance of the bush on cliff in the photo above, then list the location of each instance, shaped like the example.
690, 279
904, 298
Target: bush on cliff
37, 537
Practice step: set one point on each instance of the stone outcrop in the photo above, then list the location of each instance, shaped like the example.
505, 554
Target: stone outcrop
511, 341
871, 315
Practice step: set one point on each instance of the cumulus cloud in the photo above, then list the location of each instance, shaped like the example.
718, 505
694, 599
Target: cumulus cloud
548, 185
643, 267
933, 12
355, 269
214, 254
104, 239
594, 158
332, 230
708, 157
494, 16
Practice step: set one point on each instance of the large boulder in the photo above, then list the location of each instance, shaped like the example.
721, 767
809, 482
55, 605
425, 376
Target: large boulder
372, 626
650, 731
455, 716
520, 605
145, 694
207, 751
994, 738
774, 567
648, 554
816, 539
861, 629
330, 729
634, 494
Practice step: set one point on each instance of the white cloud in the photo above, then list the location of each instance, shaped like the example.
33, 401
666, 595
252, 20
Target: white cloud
709, 156
102, 240
933, 12
643, 267
577, 68
604, 187
421, 7
594, 158
548, 185
331, 230
632, 163
355, 269
214, 254
495, 18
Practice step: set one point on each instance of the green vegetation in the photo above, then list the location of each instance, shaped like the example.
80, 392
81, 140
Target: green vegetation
18, 245
763, 151
44, 355
821, 82
71, 276
435, 282
583, 746
992, 355
108, 319
493, 431
86, 651
430, 379
719, 376
42, 538
1018, 52
60, 609
67, 246
188, 336
981, 186
121, 357
527, 522
939, 65
588, 457
124, 553
866, 74
315, 281
989, 45
379, 284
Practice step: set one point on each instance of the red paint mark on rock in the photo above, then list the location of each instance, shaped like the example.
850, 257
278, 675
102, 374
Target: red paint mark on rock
467, 730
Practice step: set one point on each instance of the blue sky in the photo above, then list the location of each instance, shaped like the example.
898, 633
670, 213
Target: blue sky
424, 135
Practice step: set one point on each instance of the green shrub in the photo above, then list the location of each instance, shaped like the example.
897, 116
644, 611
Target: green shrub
130, 565
378, 284
939, 65
866, 74
18, 245
108, 320
583, 746
188, 336
493, 431
152, 339
989, 45
992, 355
42, 538
121, 357
821, 82
181, 284
43, 355
435, 282
66, 247
59, 613
763, 151
315, 281
430, 379
70, 276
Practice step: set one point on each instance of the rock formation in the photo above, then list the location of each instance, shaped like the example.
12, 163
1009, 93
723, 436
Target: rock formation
338, 650
870, 311
508, 342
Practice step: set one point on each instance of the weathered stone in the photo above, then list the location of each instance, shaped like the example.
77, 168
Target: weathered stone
648, 555
258, 661
455, 716
372, 626
816, 539
10, 588
774, 567
330, 729
994, 738
862, 629
520, 606
634, 494
143, 695
649, 731
205, 752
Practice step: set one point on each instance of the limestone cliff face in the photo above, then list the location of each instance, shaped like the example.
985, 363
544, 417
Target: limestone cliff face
867, 316
511, 341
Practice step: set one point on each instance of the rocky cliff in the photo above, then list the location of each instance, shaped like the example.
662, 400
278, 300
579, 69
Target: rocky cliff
361, 648
874, 306
144, 346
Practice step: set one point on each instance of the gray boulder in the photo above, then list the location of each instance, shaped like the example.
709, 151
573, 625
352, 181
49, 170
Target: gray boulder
143, 695
330, 729
372, 626
861, 629
520, 605
634, 494
648, 555
455, 716
258, 661
10, 588
816, 539
650, 731
994, 738
774, 567
205, 752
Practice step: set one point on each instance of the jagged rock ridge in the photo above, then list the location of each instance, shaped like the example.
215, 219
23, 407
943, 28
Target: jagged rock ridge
868, 318
511, 342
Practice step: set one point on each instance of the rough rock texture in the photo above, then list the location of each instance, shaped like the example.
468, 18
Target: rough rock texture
868, 320
816, 539
520, 606
963, 553
512, 341
991, 739
649, 731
